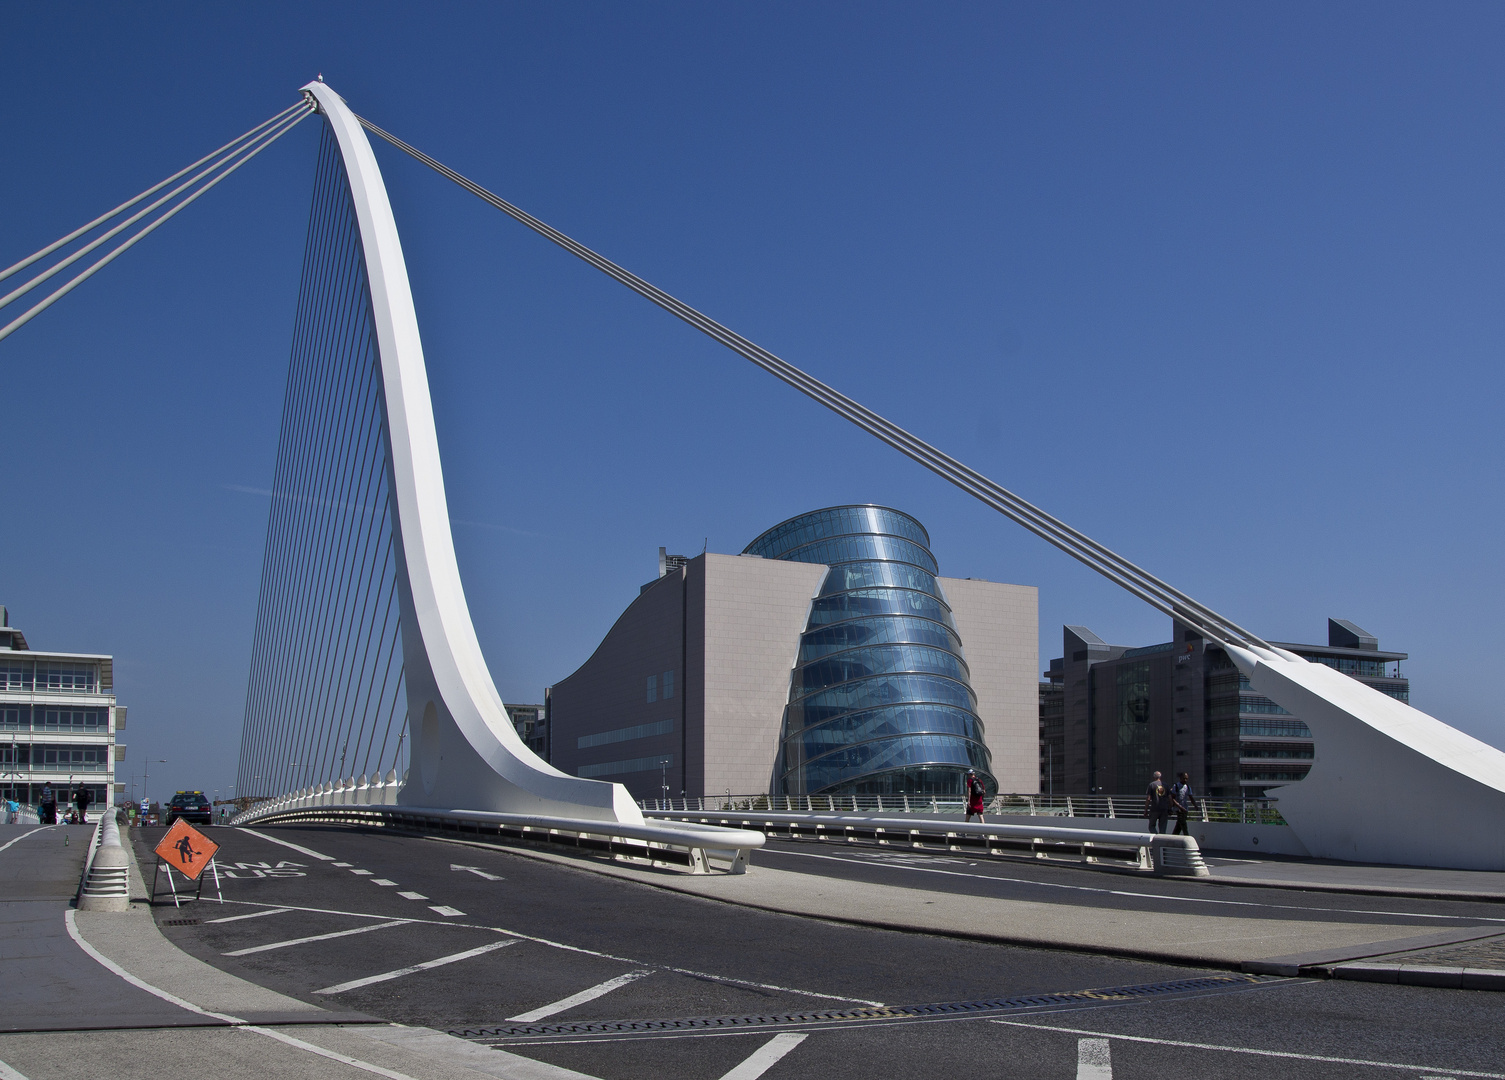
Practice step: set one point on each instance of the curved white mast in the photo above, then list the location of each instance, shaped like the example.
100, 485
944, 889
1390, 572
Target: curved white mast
465, 751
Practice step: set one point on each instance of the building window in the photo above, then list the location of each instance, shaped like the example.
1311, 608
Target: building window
652, 688
641, 731
668, 685
1133, 726
658, 763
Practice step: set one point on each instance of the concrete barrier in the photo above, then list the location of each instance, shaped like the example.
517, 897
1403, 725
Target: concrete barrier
106, 882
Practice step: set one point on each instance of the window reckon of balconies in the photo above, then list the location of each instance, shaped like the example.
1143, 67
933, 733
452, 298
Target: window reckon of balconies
48, 677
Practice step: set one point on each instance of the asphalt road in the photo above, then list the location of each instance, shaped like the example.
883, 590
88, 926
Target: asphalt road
550, 961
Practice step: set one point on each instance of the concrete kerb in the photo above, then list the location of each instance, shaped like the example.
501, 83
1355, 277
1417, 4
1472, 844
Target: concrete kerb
1322, 963
135, 945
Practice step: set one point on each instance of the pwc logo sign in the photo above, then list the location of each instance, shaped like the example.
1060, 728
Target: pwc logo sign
186, 850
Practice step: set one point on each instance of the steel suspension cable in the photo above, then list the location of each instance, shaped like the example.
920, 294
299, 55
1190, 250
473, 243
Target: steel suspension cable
1111, 565
239, 158
76, 233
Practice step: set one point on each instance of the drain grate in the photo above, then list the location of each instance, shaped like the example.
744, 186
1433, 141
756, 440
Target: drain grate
181, 922
865, 1014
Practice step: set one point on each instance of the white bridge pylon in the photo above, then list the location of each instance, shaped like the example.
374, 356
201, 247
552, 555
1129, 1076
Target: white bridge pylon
465, 752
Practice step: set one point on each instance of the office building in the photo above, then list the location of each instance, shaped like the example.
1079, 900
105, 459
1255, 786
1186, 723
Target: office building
828, 657
1111, 715
58, 720
532, 726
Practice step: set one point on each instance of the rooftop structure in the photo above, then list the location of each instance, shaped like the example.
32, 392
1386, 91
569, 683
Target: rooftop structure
58, 719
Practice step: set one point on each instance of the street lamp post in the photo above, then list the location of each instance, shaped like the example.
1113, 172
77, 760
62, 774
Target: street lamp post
145, 766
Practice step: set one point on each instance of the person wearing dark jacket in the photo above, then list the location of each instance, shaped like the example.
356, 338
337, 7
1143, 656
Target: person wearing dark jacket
47, 806
1182, 801
81, 800
1157, 805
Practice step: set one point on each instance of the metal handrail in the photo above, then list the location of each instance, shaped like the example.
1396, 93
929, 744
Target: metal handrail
690, 845
1103, 848
1240, 811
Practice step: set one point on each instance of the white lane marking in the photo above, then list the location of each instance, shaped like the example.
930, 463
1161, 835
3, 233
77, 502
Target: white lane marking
6, 1072
141, 984
382, 881
23, 836
253, 915
411, 895
1093, 1060
591, 994
362, 873
354, 984
710, 976
1138, 895
478, 872
287, 844
766, 1056
316, 937
445, 910
342, 865
1250, 1050
344, 1059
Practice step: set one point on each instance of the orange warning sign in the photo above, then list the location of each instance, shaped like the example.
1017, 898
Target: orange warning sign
186, 850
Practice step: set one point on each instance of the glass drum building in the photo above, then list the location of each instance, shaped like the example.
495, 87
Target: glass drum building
881, 700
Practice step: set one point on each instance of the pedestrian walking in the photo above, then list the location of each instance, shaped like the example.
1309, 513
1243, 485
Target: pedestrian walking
976, 793
12, 812
47, 806
1157, 805
1183, 800
81, 799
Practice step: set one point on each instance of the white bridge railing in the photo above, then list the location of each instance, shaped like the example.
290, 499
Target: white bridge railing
695, 847
1109, 848
1241, 811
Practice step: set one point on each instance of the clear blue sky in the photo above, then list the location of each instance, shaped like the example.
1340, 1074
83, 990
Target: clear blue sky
1220, 285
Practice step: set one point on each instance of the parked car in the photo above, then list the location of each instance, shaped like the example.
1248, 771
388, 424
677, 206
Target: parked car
192, 806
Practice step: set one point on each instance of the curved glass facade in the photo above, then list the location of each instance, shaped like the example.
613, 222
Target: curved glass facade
881, 701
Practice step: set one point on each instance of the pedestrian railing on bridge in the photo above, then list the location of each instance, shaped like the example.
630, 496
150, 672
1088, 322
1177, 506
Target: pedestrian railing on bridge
1116, 849
1239, 811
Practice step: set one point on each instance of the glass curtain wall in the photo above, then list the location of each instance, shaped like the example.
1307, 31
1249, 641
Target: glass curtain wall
880, 702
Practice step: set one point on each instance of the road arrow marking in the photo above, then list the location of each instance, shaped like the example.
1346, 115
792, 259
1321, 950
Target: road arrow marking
478, 872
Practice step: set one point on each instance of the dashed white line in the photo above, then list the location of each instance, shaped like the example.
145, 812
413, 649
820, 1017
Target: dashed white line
1254, 1052
288, 844
355, 984
694, 974
445, 910
412, 896
581, 998
1094, 1061
382, 881
358, 870
317, 937
766, 1056
253, 915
